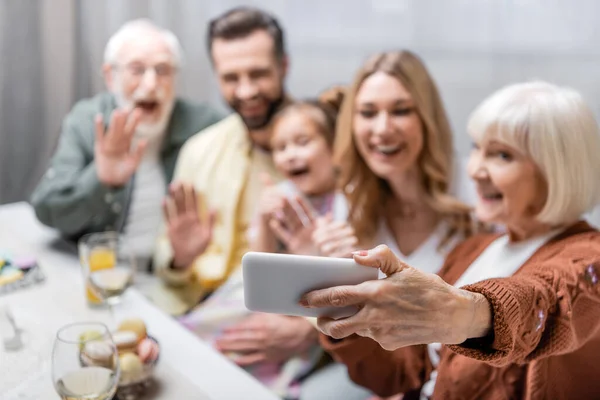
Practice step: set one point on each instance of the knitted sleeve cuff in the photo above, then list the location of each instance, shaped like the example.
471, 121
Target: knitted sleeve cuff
507, 323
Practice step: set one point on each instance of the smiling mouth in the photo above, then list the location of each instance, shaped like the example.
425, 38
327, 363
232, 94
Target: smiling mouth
254, 107
148, 106
297, 172
388, 150
491, 196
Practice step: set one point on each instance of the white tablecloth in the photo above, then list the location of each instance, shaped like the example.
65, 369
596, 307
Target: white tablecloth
187, 369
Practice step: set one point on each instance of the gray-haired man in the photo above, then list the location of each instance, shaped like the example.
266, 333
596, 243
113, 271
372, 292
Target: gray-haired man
117, 151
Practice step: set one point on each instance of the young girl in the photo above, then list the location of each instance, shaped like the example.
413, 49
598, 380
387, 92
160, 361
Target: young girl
302, 149
302, 145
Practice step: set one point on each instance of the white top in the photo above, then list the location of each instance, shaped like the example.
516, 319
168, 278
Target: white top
487, 266
145, 211
513, 255
593, 217
428, 257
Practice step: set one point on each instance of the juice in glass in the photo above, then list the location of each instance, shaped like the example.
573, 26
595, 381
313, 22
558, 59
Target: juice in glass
99, 258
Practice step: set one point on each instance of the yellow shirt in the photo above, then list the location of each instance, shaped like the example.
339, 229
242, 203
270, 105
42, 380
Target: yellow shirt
260, 162
225, 169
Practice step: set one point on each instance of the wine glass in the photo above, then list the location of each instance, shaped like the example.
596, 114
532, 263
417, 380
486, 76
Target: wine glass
85, 362
108, 267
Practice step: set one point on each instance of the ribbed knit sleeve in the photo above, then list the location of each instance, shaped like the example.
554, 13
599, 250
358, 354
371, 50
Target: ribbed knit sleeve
550, 306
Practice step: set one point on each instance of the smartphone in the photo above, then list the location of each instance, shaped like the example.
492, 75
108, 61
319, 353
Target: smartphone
274, 283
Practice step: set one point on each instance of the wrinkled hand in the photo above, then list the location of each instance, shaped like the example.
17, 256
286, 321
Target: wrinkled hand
294, 225
334, 238
188, 233
408, 307
267, 337
114, 157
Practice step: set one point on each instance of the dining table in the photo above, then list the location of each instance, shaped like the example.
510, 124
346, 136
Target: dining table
188, 368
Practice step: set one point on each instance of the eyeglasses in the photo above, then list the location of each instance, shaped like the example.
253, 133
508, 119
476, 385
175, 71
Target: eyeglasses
139, 70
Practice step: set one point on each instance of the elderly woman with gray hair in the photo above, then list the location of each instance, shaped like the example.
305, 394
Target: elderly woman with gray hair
509, 316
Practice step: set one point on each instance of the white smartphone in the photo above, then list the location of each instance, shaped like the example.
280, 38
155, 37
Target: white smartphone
274, 283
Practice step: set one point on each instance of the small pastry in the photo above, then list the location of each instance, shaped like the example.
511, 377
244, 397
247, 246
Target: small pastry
148, 350
97, 353
134, 325
24, 263
88, 336
131, 366
126, 341
10, 275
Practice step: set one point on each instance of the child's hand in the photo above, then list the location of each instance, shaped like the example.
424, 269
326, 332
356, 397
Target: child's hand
271, 204
334, 238
272, 200
294, 227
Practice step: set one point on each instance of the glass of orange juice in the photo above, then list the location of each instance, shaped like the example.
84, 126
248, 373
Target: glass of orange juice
108, 267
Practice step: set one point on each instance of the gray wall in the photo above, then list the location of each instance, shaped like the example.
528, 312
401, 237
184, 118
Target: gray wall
472, 47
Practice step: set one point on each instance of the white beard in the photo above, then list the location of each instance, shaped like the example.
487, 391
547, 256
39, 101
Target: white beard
152, 132
156, 130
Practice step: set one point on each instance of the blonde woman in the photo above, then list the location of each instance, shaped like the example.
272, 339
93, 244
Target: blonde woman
395, 156
394, 149
514, 315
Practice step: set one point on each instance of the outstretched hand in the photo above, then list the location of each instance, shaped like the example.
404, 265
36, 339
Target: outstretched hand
294, 225
116, 161
408, 307
188, 233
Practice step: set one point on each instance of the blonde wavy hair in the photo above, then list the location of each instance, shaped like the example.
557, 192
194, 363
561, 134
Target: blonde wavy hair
367, 193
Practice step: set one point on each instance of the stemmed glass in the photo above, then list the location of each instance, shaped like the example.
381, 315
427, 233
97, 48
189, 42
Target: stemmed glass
108, 267
85, 362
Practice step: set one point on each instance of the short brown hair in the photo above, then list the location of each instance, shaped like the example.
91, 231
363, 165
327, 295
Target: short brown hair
240, 22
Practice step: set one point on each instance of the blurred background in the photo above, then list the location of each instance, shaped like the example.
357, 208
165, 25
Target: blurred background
51, 54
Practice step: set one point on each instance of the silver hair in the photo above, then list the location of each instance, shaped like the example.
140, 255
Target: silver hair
556, 128
134, 28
